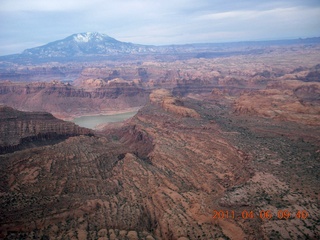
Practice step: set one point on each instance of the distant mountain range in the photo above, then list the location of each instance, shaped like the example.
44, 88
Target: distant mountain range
93, 46
82, 44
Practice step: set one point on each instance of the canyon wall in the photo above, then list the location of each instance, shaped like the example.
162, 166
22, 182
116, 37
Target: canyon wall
66, 101
22, 128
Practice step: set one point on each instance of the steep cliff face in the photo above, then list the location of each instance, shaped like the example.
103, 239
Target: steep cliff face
66, 101
18, 128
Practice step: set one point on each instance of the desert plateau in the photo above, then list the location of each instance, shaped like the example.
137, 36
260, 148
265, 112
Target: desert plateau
224, 141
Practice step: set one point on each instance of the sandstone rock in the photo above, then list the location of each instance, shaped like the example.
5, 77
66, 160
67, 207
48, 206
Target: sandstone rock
122, 233
291, 101
17, 127
132, 235
171, 104
158, 95
112, 234
67, 101
149, 238
103, 233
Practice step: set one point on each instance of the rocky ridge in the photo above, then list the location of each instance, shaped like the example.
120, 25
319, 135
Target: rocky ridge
171, 104
20, 128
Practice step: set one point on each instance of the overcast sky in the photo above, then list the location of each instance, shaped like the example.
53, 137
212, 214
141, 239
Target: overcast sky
30, 23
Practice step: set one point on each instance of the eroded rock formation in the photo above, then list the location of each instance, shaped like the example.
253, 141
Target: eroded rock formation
155, 175
66, 101
22, 128
287, 100
160, 176
172, 104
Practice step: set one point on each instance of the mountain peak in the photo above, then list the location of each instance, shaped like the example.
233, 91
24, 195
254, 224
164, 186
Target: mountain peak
86, 44
90, 36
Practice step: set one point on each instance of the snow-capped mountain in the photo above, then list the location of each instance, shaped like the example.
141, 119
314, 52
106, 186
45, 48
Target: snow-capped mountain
93, 46
90, 43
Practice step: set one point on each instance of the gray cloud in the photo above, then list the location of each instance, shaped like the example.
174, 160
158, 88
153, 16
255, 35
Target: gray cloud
26, 24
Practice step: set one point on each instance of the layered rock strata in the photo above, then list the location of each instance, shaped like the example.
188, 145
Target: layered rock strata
66, 101
22, 128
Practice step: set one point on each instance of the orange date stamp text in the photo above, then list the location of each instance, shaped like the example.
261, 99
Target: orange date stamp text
262, 214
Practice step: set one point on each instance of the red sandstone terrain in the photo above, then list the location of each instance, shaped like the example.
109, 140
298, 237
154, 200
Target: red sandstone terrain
237, 134
19, 128
66, 101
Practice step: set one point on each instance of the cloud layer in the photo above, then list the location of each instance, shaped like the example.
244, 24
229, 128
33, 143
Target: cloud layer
26, 24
